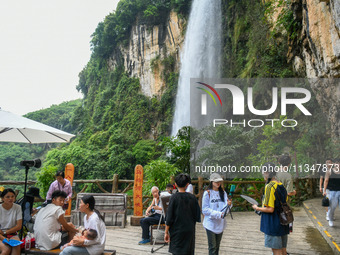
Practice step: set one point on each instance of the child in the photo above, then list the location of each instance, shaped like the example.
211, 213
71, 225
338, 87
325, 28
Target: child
275, 234
214, 200
181, 217
86, 234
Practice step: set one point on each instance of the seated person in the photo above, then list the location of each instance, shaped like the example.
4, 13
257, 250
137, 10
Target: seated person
86, 234
47, 227
170, 188
154, 213
10, 221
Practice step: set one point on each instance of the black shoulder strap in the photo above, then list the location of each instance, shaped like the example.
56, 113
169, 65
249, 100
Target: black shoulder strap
278, 195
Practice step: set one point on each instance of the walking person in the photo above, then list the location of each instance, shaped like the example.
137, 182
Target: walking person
181, 217
214, 200
329, 164
332, 182
275, 234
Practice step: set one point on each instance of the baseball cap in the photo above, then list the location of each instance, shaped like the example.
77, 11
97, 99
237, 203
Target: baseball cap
215, 177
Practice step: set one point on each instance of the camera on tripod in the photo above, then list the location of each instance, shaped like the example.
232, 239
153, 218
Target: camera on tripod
31, 163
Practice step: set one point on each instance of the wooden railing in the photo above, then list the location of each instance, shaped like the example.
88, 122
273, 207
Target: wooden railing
305, 187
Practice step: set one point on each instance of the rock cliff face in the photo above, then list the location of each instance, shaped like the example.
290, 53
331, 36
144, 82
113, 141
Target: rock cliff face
147, 47
316, 53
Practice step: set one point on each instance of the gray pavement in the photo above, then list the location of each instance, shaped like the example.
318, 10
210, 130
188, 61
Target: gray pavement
317, 215
242, 236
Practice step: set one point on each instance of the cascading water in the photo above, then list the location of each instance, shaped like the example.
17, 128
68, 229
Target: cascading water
201, 54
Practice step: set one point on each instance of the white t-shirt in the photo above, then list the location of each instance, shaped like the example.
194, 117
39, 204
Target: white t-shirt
95, 247
47, 227
190, 189
9, 218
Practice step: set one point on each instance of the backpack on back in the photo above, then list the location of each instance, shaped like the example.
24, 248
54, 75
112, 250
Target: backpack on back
284, 210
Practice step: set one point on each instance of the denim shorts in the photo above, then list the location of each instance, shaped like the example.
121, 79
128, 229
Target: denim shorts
275, 242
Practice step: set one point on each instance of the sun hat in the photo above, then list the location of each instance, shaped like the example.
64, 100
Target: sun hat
33, 192
215, 177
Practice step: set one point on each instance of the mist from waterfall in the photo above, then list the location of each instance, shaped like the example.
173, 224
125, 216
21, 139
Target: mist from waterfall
201, 54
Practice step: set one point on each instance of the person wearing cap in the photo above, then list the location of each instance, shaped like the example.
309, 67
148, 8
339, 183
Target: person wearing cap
214, 203
61, 184
27, 208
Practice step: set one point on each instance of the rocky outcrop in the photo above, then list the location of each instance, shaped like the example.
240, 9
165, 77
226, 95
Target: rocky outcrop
147, 47
315, 53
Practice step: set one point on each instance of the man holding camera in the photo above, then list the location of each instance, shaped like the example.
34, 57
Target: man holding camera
154, 213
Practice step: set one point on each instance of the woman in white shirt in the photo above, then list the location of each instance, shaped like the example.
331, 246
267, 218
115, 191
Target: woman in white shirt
10, 222
214, 200
93, 220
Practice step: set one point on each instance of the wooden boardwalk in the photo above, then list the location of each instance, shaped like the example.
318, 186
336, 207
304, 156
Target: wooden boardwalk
242, 236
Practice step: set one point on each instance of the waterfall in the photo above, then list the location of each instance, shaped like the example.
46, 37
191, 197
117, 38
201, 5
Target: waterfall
201, 54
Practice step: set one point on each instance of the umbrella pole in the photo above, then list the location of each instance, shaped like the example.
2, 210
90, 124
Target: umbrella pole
24, 202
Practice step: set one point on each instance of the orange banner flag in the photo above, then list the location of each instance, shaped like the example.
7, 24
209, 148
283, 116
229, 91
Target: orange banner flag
138, 191
69, 174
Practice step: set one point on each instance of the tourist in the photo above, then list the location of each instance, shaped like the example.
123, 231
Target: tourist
92, 220
48, 221
329, 164
154, 213
60, 184
332, 182
284, 176
181, 217
10, 221
275, 234
214, 204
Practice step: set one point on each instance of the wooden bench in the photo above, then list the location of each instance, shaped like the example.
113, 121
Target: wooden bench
57, 251
111, 205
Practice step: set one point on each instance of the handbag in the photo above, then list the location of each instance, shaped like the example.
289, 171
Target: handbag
325, 201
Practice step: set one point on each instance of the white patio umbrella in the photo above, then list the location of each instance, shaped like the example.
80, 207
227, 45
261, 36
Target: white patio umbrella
14, 128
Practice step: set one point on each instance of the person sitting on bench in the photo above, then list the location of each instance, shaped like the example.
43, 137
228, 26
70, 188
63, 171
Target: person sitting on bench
10, 221
47, 231
154, 213
92, 219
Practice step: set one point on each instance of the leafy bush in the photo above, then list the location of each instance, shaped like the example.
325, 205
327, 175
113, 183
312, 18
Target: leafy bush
45, 177
158, 173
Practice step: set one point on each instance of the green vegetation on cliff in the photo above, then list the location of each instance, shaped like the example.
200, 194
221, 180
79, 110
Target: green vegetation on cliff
118, 127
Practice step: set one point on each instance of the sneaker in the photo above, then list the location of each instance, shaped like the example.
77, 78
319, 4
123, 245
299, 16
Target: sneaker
327, 217
330, 223
144, 241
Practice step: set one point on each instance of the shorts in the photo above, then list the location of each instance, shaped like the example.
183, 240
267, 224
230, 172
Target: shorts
275, 242
64, 239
